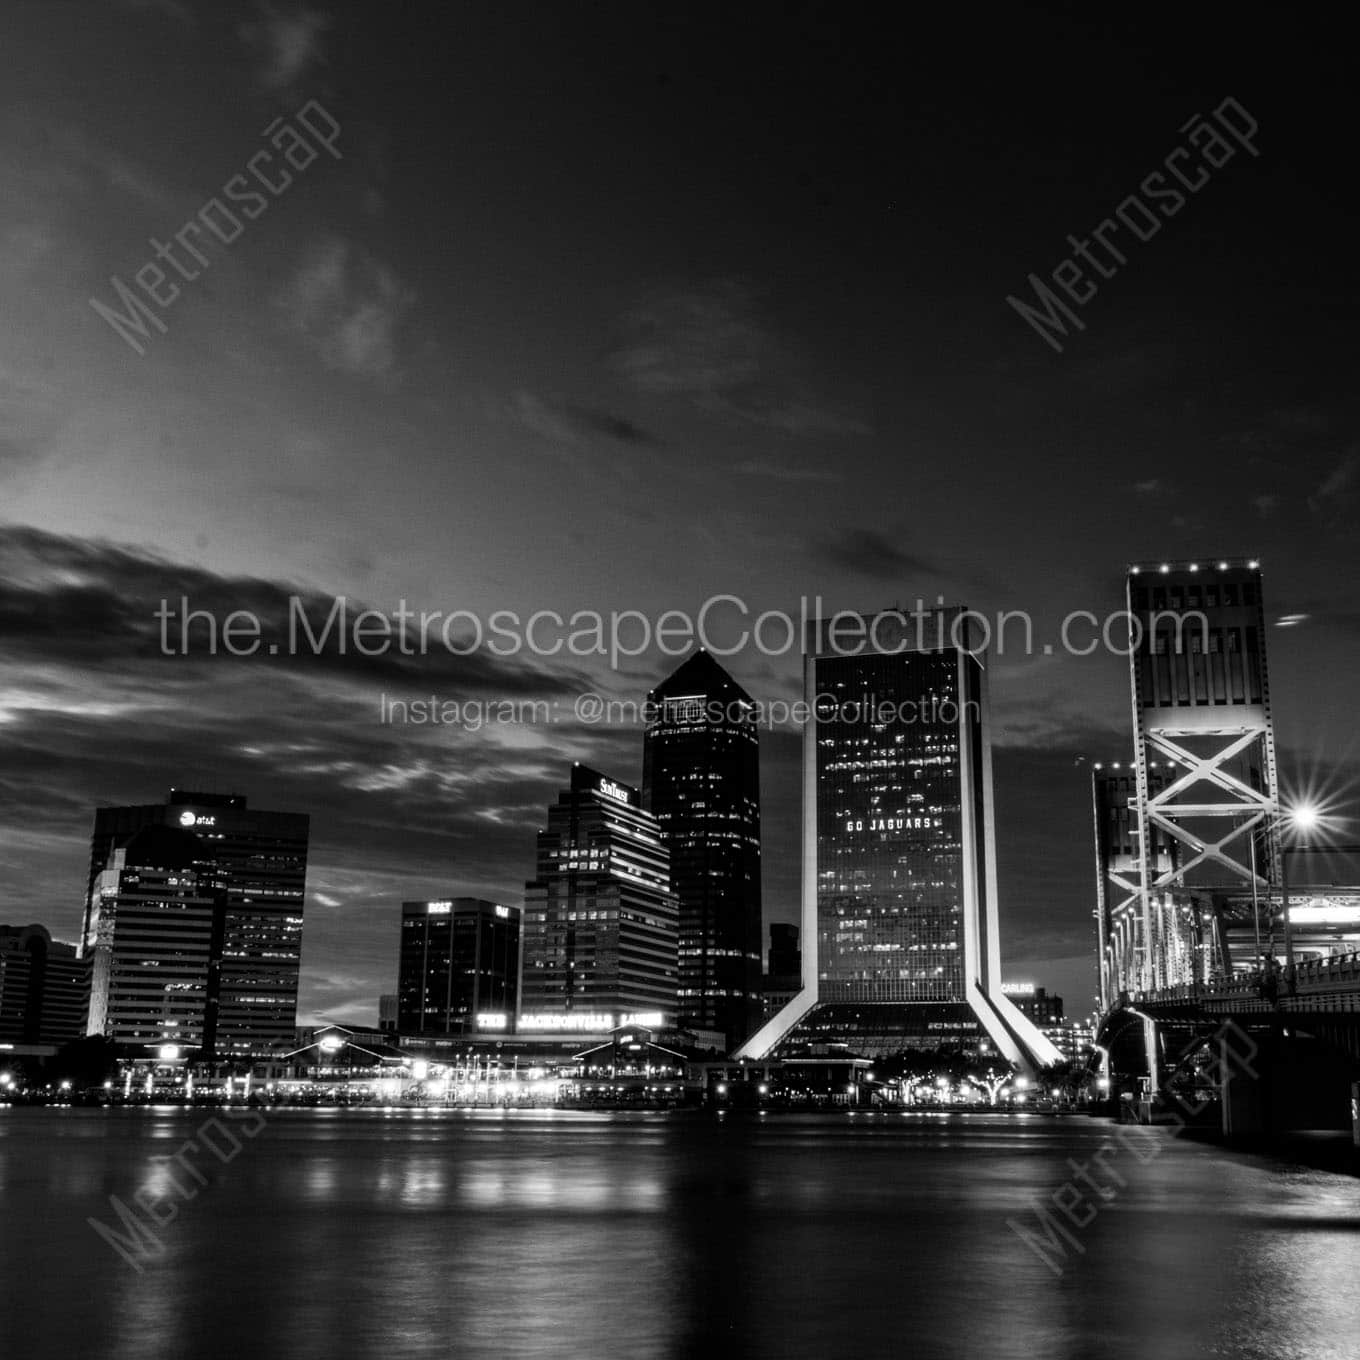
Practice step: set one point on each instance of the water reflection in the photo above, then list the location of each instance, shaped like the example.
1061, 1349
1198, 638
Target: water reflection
367, 1233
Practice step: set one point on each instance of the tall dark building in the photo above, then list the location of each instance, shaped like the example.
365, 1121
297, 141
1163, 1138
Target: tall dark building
154, 939
260, 859
600, 921
701, 781
459, 967
900, 935
44, 988
1041, 1005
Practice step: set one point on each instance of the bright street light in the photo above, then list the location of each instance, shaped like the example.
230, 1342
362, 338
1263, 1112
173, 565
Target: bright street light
1304, 817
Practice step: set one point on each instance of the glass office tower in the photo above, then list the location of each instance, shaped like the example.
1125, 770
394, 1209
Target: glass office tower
899, 882
154, 937
601, 924
261, 860
459, 969
701, 781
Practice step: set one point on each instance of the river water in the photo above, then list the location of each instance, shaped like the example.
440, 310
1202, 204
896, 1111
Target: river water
337, 1233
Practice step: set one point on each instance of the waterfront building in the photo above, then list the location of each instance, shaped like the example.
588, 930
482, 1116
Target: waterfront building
900, 931
44, 988
459, 966
784, 978
601, 924
260, 859
701, 781
154, 940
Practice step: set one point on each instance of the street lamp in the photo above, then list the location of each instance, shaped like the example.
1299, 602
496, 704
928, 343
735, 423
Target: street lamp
1305, 817
1302, 818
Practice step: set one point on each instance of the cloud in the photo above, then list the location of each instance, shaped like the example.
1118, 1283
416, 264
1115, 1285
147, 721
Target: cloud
286, 43
567, 423
868, 553
1153, 486
711, 346
1337, 487
782, 472
92, 713
347, 306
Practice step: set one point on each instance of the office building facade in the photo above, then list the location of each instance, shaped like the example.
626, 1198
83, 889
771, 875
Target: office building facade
44, 988
154, 940
899, 930
260, 858
701, 781
459, 967
601, 925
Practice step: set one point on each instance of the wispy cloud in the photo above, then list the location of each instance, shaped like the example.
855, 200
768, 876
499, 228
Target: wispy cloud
347, 306
784, 472
870, 554
1337, 487
712, 346
573, 424
92, 713
286, 43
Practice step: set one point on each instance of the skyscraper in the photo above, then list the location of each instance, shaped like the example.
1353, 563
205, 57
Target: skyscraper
260, 858
600, 921
459, 968
701, 781
154, 937
900, 935
44, 988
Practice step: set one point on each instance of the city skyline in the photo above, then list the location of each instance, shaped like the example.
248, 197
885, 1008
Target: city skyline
1073, 975
688, 672
641, 397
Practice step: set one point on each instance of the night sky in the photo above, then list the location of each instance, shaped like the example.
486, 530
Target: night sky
621, 307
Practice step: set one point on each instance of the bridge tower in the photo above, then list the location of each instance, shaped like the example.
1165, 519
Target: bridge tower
1119, 872
1201, 709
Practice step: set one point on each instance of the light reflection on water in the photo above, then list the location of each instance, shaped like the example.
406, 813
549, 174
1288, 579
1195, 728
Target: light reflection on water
365, 1233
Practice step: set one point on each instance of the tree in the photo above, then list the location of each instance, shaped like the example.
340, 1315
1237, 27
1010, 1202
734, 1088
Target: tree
86, 1062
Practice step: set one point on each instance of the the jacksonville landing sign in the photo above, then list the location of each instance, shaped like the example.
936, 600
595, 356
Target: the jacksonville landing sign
1136, 219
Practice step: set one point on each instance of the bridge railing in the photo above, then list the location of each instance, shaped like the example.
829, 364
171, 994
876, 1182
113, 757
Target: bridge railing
1335, 973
